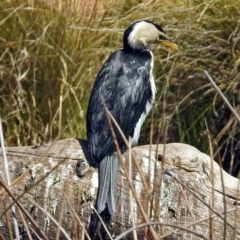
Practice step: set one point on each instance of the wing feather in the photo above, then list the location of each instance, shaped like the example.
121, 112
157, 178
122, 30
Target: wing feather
123, 84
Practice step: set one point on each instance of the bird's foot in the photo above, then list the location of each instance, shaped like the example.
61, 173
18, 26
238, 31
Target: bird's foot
82, 167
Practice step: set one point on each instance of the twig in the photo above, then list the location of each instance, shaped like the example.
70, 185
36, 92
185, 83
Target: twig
161, 224
2, 237
223, 97
187, 204
35, 184
61, 211
234, 112
52, 218
134, 158
203, 220
23, 210
7, 216
204, 10
79, 220
213, 183
206, 204
36, 236
225, 204
25, 225
110, 120
105, 227
13, 210
29, 169
150, 183
130, 192
38, 160
236, 217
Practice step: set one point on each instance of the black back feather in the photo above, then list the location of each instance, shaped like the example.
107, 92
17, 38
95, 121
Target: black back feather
124, 87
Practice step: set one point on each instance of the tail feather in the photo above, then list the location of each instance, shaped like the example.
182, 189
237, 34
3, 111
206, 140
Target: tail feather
107, 189
112, 193
103, 183
106, 197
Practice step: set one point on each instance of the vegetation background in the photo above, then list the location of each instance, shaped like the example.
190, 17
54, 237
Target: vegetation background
51, 51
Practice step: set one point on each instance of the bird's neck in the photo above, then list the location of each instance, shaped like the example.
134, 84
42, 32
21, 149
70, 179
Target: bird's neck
129, 48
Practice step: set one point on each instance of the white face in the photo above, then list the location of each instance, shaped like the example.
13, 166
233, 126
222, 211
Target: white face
143, 34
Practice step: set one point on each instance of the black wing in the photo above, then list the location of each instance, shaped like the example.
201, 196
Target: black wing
123, 84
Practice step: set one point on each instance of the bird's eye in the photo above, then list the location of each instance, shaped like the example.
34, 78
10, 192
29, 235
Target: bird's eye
162, 37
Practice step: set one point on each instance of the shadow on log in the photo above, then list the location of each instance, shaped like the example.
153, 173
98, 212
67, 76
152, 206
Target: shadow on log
181, 194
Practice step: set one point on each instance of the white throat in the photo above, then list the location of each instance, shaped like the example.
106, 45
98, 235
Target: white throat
143, 34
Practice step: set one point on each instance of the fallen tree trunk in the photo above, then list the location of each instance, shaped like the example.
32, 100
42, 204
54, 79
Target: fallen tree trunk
185, 194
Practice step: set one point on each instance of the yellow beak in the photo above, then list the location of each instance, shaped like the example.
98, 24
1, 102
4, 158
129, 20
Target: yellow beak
169, 44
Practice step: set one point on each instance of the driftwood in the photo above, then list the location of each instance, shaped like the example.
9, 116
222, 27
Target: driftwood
181, 193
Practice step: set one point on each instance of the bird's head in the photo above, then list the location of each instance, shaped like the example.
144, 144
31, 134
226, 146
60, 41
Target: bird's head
141, 34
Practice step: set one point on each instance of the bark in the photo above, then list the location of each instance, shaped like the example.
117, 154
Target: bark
181, 194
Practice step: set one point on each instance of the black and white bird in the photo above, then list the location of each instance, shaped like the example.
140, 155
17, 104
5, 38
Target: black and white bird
125, 87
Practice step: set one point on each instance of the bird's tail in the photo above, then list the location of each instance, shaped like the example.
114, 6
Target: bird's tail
107, 191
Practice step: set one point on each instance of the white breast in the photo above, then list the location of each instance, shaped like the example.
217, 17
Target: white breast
134, 139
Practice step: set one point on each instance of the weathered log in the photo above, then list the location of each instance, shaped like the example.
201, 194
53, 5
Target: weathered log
185, 196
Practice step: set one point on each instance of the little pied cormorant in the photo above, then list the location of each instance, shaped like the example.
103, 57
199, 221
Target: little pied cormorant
125, 86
